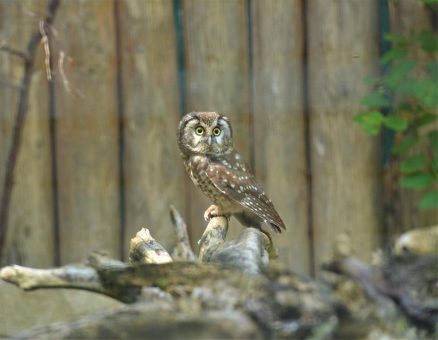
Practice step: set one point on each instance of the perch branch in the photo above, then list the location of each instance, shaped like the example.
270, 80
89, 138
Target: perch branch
144, 249
28, 57
248, 253
213, 236
182, 251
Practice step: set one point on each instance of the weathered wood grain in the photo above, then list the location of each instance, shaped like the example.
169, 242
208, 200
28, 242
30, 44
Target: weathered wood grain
87, 130
154, 175
29, 234
279, 141
216, 55
342, 51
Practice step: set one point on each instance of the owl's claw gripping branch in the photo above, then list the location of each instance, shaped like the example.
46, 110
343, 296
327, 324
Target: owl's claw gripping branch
214, 211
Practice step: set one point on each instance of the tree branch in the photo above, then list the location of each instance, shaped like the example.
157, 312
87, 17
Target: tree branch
28, 57
213, 236
182, 251
144, 249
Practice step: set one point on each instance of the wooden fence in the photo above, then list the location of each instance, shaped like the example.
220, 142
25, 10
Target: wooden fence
98, 156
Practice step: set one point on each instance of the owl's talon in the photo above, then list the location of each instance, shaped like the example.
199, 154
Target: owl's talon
214, 211
218, 170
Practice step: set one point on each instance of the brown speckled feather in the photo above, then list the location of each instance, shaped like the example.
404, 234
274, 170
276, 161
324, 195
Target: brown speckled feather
247, 193
206, 145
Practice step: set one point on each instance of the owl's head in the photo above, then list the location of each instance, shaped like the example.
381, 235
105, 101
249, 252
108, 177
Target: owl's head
205, 133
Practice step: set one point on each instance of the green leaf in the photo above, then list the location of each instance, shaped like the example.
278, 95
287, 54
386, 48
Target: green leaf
370, 121
412, 164
424, 119
398, 72
396, 39
419, 181
425, 90
434, 166
429, 200
430, 2
375, 100
428, 41
406, 144
372, 81
432, 68
433, 138
396, 123
394, 54
371, 117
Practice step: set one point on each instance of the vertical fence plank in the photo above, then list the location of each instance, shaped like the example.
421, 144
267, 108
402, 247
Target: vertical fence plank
29, 237
87, 130
342, 51
154, 176
406, 17
216, 48
278, 121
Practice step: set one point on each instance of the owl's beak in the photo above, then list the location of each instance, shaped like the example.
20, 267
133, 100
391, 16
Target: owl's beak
209, 140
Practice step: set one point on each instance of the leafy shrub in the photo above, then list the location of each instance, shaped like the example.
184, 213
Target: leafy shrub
405, 101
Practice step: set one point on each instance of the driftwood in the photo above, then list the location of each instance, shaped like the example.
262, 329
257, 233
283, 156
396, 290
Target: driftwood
231, 292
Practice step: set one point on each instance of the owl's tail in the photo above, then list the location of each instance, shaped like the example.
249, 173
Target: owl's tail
252, 220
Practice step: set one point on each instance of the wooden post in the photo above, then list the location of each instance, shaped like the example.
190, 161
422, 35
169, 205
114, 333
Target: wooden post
153, 170
342, 51
87, 130
279, 142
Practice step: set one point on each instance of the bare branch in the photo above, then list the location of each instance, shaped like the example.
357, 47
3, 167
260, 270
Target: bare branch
68, 276
14, 52
45, 42
22, 105
144, 249
62, 72
182, 251
213, 236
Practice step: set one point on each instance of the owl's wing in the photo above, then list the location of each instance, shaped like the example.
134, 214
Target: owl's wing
242, 188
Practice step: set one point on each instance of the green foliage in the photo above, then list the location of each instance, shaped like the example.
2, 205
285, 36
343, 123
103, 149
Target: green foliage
405, 100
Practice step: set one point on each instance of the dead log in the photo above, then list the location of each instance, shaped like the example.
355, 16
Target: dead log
231, 292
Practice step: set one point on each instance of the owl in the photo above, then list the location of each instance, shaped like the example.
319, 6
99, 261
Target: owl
205, 140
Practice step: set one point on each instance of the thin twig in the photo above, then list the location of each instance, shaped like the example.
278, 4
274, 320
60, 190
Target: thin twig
14, 52
45, 42
19, 121
62, 72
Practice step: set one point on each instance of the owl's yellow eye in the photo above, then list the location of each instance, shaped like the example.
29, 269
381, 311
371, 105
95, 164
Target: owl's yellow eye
199, 130
216, 131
